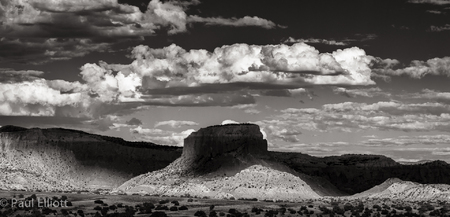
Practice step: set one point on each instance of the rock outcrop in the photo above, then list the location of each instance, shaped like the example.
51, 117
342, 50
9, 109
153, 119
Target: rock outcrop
61, 159
228, 161
209, 142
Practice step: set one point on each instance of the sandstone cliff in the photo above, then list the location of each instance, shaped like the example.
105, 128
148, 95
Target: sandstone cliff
241, 139
232, 146
61, 159
228, 161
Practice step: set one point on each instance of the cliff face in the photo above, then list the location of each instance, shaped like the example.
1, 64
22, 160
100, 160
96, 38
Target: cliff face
357, 173
60, 159
239, 139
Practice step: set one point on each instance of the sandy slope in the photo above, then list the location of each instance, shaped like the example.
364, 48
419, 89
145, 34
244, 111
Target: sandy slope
405, 190
255, 181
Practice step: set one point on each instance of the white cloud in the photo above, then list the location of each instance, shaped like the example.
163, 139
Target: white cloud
8, 75
225, 122
162, 137
245, 21
61, 30
176, 124
364, 92
446, 27
271, 64
436, 2
35, 98
427, 140
252, 111
418, 69
315, 41
354, 117
427, 94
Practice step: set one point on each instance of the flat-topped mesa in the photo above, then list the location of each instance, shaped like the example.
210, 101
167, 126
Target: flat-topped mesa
238, 139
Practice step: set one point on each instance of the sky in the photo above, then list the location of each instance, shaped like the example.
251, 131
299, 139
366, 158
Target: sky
321, 77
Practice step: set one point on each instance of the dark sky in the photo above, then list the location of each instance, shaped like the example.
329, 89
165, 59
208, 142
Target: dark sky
322, 77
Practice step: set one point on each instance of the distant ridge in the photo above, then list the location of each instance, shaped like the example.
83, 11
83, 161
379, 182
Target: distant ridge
11, 128
63, 159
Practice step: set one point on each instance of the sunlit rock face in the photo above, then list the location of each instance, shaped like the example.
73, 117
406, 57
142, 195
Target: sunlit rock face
239, 139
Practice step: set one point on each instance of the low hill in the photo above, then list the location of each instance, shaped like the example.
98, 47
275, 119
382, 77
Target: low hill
398, 189
62, 159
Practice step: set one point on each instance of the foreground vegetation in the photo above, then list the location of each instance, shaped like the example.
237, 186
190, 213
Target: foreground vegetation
135, 205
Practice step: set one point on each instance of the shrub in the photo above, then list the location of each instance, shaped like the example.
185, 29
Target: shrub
190, 200
98, 201
212, 214
200, 213
183, 208
97, 208
163, 201
80, 213
148, 205
348, 206
104, 210
159, 207
47, 211
232, 211
176, 203
173, 208
158, 214
221, 214
211, 207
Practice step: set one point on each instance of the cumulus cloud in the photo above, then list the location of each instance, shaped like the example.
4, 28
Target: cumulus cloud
363, 92
417, 69
225, 122
446, 27
428, 140
161, 137
35, 98
277, 65
8, 75
435, 2
176, 124
315, 41
42, 50
60, 30
427, 94
245, 21
354, 117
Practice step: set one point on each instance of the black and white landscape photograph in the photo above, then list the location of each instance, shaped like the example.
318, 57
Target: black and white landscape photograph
235, 108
